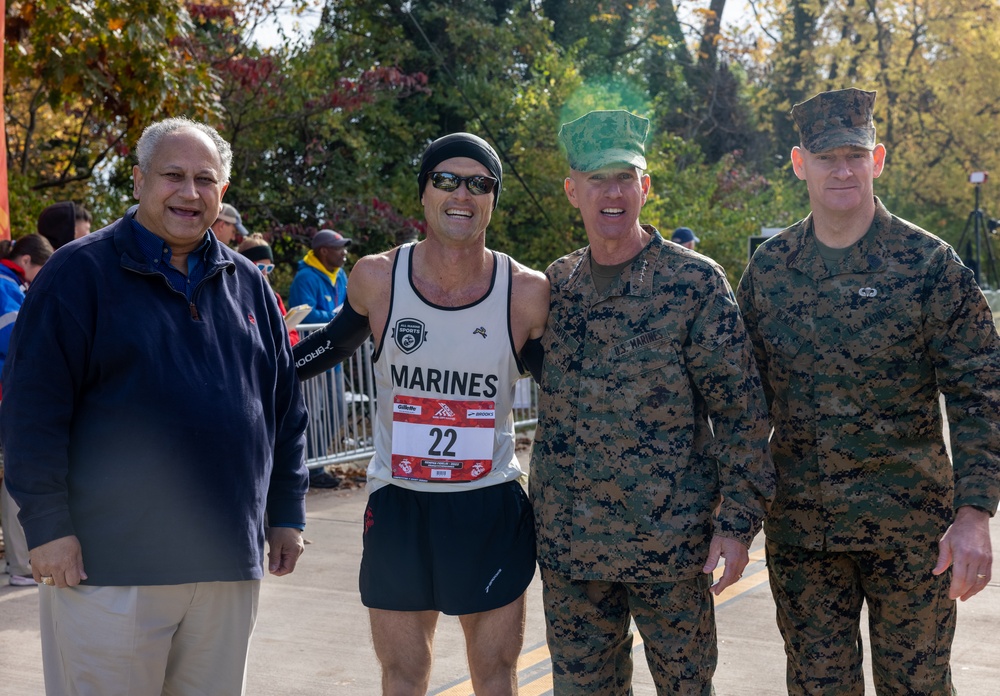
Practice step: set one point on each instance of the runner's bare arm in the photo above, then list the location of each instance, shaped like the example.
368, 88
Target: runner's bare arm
529, 312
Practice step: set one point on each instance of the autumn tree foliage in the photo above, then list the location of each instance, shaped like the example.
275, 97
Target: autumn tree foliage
935, 65
327, 128
81, 81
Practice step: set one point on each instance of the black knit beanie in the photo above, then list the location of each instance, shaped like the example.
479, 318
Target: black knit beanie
259, 253
461, 145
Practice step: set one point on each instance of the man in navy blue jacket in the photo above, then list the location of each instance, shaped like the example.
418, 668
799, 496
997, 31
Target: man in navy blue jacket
153, 428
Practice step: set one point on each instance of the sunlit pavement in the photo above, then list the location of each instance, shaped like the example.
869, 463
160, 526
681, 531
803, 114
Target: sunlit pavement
312, 631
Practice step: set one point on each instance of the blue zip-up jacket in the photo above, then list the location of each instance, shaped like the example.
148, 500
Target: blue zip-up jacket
159, 432
11, 298
313, 288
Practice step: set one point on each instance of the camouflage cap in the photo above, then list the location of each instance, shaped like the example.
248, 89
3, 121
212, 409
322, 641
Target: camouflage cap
835, 119
602, 138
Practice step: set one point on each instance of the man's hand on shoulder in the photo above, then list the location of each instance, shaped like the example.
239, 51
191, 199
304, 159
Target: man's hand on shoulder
285, 545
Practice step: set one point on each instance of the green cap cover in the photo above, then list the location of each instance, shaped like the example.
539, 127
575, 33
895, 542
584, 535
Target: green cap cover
603, 138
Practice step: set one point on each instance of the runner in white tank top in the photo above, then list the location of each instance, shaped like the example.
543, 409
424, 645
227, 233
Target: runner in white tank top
445, 381
450, 318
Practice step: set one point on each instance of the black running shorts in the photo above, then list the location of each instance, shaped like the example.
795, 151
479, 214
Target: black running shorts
457, 552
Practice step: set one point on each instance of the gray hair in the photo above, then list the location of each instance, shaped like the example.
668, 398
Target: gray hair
151, 136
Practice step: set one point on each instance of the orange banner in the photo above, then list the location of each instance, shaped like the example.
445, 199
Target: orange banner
4, 200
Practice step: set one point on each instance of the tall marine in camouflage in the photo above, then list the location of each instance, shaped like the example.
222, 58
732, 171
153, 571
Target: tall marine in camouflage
859, 321
635, 499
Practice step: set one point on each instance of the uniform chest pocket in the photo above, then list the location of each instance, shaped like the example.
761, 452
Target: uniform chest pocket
889, 357
646, 372
785, 357
895, 339
781, 339
560, 352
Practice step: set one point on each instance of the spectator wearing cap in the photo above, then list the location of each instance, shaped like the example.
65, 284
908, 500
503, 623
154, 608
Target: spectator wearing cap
636, 497
229, 225
860, 322
685, 237
62, 222
321, 283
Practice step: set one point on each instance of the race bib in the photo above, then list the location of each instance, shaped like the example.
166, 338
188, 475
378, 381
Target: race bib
442, 440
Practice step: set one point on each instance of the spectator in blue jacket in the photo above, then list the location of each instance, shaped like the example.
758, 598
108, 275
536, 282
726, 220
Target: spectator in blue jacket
321, 283
153, 427
20, 262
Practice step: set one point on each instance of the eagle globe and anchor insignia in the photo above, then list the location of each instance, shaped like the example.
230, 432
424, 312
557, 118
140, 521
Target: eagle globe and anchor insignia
409, 334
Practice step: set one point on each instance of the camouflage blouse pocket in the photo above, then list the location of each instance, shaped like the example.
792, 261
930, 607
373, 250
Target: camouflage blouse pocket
560, 350
784, 349
889, 359
646, 372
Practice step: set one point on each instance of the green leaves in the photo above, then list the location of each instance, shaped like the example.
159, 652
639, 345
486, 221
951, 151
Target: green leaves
329, 131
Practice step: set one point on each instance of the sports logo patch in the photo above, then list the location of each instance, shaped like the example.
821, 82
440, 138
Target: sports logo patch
409, 334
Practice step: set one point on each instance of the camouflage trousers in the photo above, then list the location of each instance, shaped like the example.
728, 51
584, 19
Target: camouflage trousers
911, 620
589, 637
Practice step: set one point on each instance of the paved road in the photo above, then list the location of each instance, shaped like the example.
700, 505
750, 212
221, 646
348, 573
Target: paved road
312, 632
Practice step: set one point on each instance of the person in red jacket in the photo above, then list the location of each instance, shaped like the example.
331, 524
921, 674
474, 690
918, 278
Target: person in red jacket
20, 261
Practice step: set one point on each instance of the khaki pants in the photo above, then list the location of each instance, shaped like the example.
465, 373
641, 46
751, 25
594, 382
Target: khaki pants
172, 640
15, 546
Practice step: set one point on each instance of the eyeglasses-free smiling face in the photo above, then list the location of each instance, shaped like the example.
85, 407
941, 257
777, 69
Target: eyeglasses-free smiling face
181, 194
478, 185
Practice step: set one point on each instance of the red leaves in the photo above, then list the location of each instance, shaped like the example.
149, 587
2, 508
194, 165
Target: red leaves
250, 73
349, 94
211, 13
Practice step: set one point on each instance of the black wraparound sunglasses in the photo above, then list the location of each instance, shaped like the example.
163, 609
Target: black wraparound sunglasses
477, 185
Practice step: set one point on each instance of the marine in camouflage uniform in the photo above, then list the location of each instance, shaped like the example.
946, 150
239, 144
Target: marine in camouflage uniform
854, 343
625, 471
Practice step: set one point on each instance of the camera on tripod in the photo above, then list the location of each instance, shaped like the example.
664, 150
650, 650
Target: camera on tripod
978, 251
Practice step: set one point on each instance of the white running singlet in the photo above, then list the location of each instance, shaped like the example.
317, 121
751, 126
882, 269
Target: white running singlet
445, 379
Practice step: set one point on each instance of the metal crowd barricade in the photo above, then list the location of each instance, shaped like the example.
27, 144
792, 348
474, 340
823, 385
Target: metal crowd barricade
349, 437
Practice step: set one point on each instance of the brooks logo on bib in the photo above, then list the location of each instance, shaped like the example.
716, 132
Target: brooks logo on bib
409, 334
441, 440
